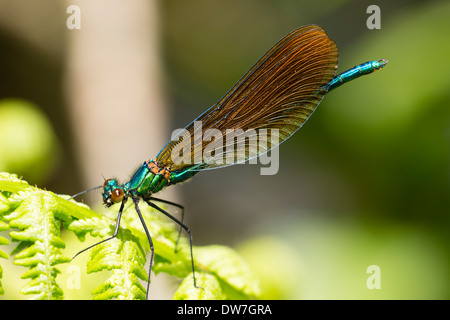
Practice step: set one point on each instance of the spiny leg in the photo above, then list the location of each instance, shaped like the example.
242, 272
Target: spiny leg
182, 215
185, 228
119, 216
136, 202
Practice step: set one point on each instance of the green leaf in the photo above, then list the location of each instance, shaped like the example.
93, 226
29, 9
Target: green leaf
169, 257
224, 264
1, 274
37, 223
3, 241
3, 227
209, 288
36, 216
237, 280
97, 226
126, 258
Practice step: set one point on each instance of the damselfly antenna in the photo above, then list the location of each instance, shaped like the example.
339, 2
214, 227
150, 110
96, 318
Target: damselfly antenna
85, 191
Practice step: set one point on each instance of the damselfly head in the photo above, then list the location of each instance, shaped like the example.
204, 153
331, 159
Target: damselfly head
112, 192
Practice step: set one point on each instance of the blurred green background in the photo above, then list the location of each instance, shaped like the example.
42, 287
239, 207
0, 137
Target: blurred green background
366, 181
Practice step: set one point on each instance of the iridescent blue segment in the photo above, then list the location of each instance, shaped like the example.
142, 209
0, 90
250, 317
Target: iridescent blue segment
356, 72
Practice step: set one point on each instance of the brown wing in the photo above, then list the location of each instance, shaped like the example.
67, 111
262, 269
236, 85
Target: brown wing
279, 92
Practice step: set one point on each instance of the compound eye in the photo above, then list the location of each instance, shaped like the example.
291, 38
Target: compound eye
117, 195
105, 184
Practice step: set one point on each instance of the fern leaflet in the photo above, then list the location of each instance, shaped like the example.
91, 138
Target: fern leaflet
35, 218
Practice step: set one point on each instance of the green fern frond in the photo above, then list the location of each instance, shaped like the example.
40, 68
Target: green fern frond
125, 257
3, 241
170, 257
125, 254
230, 272
1, 274
37, 224
210, 288
35, 218
100, 226
223, 263
3, 227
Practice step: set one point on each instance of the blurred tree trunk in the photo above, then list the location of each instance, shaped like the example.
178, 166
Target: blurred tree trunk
114, 91
114, 87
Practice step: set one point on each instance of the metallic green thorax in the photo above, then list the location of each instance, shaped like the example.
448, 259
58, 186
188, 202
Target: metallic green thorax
145, 182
